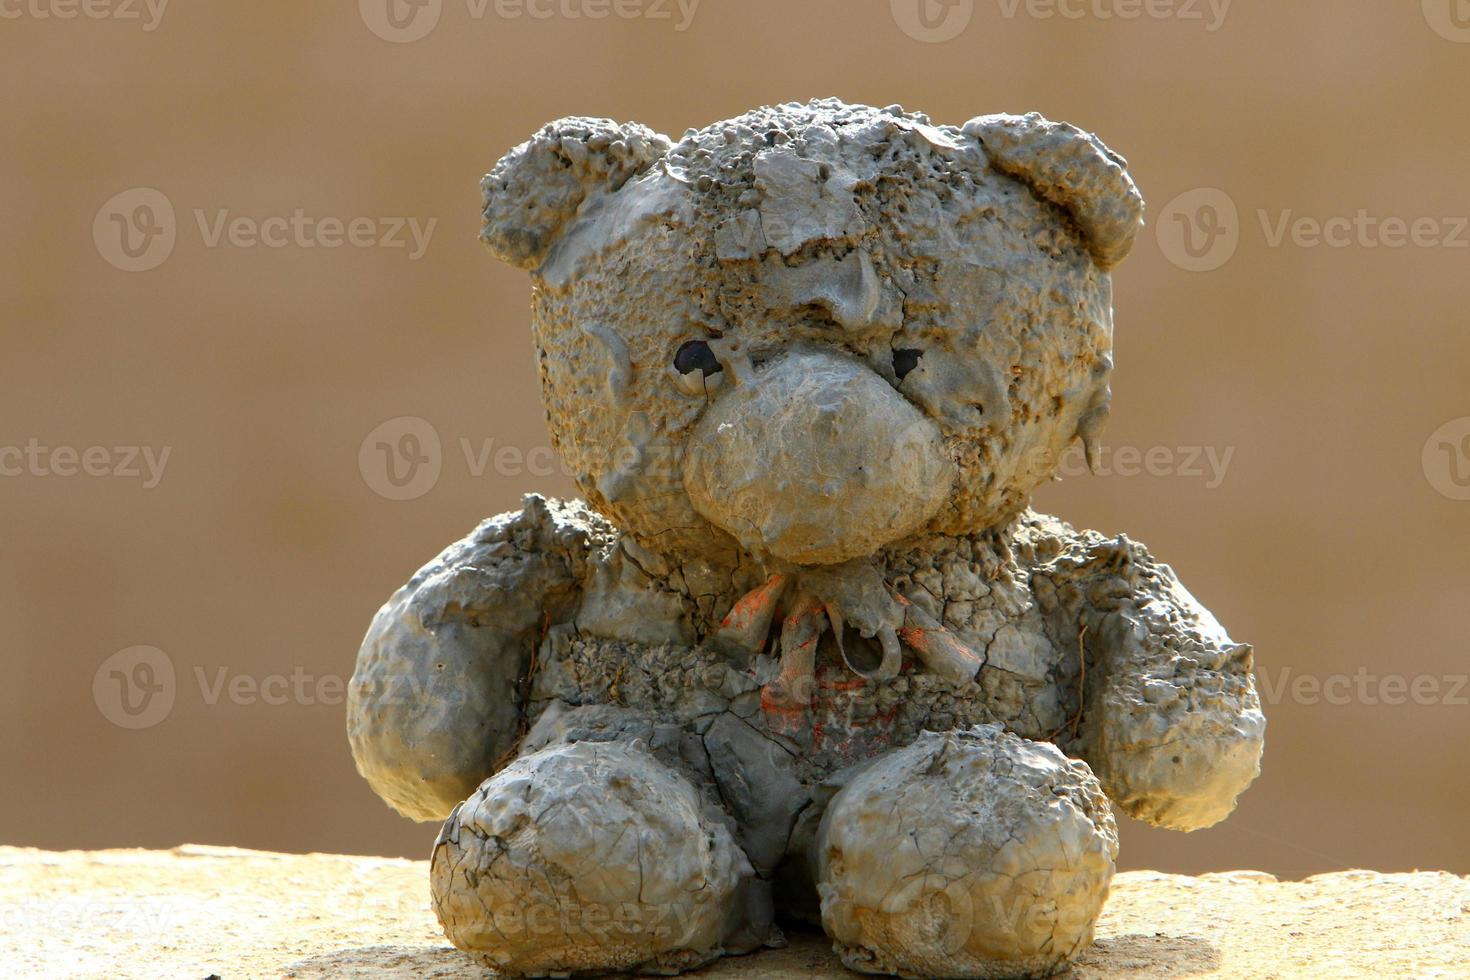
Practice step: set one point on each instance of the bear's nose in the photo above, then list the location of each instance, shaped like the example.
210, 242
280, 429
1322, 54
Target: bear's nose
815, 459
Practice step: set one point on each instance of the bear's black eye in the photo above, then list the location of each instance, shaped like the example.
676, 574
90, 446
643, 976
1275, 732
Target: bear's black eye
905, 361
696, 356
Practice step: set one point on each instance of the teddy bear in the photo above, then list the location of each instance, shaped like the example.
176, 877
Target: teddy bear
804, 653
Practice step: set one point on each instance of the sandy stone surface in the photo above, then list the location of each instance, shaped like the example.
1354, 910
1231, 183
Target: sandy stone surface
197, 912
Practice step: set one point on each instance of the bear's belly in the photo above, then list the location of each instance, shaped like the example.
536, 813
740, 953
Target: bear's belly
851, 718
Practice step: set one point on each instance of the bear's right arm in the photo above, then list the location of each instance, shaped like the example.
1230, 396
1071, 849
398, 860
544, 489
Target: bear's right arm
435, 701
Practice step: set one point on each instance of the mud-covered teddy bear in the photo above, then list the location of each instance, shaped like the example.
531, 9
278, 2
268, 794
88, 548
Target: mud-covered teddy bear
804, 652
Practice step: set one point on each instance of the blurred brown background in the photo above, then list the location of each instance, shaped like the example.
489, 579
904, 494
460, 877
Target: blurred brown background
1329, 531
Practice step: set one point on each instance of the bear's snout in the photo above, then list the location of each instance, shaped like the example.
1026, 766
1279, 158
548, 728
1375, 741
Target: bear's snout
815, 459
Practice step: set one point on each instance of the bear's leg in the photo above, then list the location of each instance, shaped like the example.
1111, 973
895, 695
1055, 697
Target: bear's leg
588, 856
966, 854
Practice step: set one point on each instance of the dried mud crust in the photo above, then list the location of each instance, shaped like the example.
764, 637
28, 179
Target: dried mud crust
1035, 600
590, 856
807, 366
1021, 597
975, 853
855, 230
1085, 642
977, 587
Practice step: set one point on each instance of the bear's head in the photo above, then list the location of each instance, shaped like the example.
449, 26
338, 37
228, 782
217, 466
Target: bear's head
813, 331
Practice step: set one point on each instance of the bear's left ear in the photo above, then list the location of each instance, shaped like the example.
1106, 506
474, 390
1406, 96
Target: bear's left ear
1073, 170
536, 189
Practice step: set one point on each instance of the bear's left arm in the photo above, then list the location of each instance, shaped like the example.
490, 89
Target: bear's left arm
1171, 722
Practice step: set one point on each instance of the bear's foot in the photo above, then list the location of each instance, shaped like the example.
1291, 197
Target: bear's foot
967, 854
583, 858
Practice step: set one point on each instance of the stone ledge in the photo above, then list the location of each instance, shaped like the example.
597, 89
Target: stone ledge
201, 911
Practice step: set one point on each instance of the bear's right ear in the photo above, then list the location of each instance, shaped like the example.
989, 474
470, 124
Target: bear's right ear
535, 191
1072, 169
